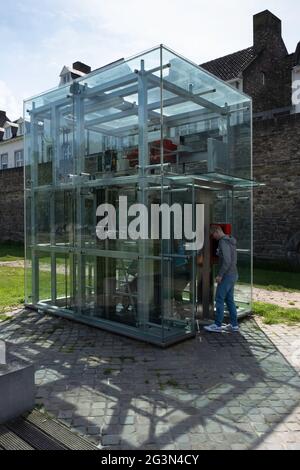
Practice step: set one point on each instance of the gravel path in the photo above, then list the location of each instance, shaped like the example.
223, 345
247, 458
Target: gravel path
12, 264
283, 299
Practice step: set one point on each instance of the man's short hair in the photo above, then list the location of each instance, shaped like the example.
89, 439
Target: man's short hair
215, 228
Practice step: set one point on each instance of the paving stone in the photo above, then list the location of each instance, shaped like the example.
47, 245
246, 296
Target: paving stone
213, 428
79, 421
111, 440
293, 426
97, 412
182, 439
127, 420
66, 414
229, 429
81, 430
92, 430
239, 447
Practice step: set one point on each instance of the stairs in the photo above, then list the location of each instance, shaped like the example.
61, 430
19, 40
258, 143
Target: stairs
37, 431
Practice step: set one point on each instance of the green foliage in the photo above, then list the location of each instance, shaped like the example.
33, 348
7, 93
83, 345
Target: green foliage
273, 314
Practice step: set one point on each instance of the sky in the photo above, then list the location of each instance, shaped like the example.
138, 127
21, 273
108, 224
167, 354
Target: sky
40, 37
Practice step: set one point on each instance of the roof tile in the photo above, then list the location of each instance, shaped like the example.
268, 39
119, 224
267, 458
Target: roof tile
230, 66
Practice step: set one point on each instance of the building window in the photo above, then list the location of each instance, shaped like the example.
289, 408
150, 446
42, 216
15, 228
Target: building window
238, 84
4, 161
49, 153
66, 78
8, 133
21, 129
19, 158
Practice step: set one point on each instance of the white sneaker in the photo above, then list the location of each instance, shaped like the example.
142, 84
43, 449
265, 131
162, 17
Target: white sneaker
213, 328
229, 327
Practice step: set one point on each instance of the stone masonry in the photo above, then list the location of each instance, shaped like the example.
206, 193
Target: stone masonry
11, 205
276, 148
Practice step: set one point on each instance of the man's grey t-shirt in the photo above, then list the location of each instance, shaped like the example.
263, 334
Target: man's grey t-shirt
227, 256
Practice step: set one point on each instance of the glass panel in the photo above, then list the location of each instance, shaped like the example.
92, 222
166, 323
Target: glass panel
63, 282
234, 208
64, 218
42, 218
206, 122
243, 229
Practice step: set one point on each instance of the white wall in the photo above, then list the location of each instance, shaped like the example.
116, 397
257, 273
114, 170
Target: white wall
10, 146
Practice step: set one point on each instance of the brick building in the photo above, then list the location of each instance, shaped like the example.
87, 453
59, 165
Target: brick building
266, 72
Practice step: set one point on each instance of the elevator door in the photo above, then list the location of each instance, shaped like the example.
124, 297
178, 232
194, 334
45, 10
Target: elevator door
187, 287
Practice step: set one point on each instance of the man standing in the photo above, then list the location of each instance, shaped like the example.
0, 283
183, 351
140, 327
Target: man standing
226, 279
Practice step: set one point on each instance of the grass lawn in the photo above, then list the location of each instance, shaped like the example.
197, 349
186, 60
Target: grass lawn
273, 314
12, 287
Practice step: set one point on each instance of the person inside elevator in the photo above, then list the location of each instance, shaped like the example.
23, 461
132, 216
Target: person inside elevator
226, 279
181, 271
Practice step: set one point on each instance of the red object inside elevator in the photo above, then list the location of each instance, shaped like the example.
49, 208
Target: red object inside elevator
169, 150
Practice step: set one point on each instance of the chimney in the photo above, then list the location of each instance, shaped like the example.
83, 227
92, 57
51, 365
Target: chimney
81, 67
3, 118
267, 32
297, 55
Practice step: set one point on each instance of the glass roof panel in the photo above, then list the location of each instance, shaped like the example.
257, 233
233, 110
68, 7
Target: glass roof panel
191, 77
186, 87
214, 181
228, 179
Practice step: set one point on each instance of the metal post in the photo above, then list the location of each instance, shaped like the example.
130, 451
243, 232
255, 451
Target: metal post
251, 206
55, 143
207, 277
193, 282
143, 265
34, 184
79, 154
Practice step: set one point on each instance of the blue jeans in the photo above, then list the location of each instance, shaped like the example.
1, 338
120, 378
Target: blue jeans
225, 293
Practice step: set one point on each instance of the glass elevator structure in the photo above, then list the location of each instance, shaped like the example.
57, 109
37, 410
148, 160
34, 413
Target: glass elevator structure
155, 129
